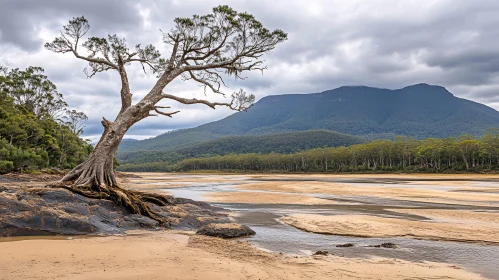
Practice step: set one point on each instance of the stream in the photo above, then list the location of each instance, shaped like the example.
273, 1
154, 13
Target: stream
271, 235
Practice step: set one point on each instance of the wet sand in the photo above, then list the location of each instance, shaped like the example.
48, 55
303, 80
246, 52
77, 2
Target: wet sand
265, 198
163, 255
476, 218
443, 192
429, 188
381, 227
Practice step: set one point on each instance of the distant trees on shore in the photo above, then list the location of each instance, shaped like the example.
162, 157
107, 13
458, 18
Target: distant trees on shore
402, 154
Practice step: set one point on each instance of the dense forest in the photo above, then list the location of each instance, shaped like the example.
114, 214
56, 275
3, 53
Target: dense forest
403, 154
284, 143
37, 129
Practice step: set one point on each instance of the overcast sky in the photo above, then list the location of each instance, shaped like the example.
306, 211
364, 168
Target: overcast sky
381, 43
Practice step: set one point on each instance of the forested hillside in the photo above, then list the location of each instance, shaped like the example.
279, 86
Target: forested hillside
278, 143
400, 155
419, 111
37, 129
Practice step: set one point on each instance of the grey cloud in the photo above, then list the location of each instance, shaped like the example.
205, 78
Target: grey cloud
483, 60
488, 94
20, 20
383, 43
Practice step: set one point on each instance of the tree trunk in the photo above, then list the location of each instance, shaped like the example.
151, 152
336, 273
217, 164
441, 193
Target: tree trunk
97, 170
95, 178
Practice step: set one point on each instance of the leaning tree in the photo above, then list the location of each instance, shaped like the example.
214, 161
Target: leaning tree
204, 49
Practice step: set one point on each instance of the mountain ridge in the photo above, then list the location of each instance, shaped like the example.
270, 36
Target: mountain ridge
419, 111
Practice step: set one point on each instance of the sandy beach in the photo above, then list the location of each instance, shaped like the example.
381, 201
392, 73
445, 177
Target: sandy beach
166, 255
465, 230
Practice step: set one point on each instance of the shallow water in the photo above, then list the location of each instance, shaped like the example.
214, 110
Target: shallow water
275, 236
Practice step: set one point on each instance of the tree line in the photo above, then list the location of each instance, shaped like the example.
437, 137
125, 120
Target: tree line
283, 143
37, 129
402, 154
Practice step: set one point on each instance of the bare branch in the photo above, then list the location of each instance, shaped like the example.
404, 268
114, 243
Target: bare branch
96, 61
126, 95
163, 113
240, 101
195, 101
174, 52
212, 82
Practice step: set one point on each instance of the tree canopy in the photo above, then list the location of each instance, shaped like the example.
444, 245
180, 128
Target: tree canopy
32, 133
203, 49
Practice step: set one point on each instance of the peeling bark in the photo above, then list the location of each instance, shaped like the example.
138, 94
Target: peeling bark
95, 178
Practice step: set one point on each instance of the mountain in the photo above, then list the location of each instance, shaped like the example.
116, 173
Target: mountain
419, 111
283, 143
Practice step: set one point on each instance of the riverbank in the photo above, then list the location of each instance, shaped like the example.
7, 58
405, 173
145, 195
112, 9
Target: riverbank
168, 255
442, 206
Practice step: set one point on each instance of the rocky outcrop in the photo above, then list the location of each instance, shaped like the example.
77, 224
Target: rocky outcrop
55, 211
227, 230
346, 245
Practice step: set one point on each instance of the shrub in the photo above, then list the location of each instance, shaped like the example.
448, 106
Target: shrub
6, 166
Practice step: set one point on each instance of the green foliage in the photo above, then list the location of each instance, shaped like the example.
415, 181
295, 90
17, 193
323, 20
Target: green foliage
147, 167
31, 135
402, 154
75, 121
279, 143
6, 166
33, 92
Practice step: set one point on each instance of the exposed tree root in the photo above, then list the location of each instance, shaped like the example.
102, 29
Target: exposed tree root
134, 201
95, 178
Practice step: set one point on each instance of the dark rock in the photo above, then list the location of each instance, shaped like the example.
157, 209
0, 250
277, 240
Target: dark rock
385, 245
227, 230
141, 220
389, 245
346, 245
4, 179
77, 209
54, 211
321, 253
